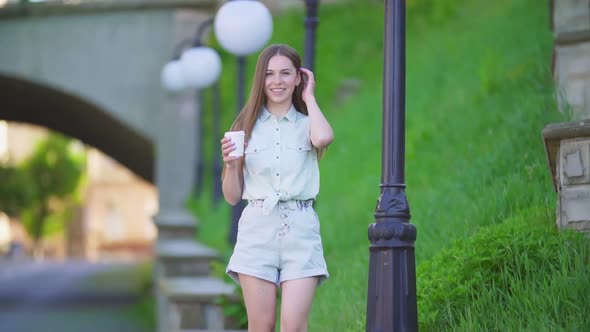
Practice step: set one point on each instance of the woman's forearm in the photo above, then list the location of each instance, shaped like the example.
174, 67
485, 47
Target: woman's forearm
232, 185
321, 133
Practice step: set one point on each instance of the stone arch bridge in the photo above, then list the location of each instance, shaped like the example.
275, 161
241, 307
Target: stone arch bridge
91, 70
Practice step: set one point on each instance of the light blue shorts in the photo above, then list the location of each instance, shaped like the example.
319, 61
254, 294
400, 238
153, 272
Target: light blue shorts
281, 246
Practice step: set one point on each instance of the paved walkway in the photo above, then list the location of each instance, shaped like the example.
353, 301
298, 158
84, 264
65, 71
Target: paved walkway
69, 297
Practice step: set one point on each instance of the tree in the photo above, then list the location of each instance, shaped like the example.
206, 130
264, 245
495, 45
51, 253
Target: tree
17, 190
55, 169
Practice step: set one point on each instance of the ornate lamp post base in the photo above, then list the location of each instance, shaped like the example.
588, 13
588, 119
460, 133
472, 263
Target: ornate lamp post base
391, 305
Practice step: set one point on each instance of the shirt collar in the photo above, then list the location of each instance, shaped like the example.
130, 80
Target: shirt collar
291, 114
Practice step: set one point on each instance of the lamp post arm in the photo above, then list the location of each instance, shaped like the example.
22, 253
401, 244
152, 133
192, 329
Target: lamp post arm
181, 46
198, 41
195, 42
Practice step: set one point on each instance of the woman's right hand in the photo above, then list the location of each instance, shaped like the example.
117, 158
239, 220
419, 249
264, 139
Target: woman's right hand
232, 179
228, 146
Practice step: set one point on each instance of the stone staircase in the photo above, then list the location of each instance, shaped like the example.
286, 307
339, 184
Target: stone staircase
187, 296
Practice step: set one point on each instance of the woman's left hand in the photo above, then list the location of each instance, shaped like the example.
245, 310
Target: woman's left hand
309, 81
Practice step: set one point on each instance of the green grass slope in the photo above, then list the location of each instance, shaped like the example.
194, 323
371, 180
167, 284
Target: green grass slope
479, 92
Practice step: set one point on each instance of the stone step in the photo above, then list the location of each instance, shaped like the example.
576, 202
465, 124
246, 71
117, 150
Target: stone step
175, 225
192, 303
175, 233
201, 289
185, 248
184, 258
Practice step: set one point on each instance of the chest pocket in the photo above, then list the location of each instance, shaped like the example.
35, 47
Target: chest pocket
297, 152
257, 157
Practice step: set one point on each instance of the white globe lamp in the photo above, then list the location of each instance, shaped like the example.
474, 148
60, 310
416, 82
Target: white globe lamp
201, 67
171, 77
243, 27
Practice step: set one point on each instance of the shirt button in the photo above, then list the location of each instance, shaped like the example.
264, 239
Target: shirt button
277, 129
277, 174
277, 143
277, 157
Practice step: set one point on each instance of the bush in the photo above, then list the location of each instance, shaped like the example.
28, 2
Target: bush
17, 190
500, 260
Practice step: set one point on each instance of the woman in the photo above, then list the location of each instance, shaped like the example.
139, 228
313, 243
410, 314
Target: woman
278, 243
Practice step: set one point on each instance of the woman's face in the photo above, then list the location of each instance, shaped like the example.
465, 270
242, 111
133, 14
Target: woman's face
281, 80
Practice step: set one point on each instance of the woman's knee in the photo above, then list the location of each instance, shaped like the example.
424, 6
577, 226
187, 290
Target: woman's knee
259, 324
293, 324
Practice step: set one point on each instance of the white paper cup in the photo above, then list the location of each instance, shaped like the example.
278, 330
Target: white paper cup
238, 138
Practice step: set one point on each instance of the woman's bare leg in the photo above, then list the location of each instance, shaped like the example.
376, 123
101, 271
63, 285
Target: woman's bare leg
260, 298
297, 296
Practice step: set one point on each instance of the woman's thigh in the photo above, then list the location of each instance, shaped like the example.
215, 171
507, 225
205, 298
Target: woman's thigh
260, 299
296, 298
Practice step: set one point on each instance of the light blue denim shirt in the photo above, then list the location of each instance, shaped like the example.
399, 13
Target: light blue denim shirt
280, 161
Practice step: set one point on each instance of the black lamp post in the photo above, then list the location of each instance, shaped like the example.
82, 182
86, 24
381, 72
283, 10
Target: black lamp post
311, 23
391, 300
200, 163
237, 209
217, 191
200, 170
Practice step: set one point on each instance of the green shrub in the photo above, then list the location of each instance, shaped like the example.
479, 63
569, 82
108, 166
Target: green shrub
502, 260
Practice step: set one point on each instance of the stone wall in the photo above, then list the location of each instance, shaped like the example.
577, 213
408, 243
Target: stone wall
568, 144
571, 30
